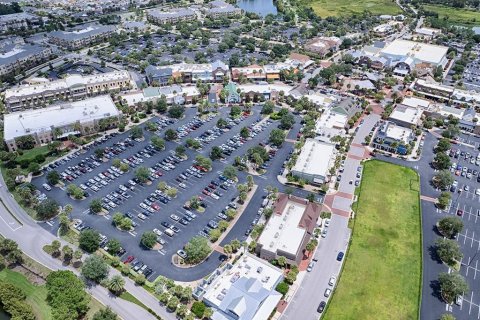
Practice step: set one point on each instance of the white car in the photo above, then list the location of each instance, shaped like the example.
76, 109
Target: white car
214, 196
141, 216
182, 185
332, 281
182, 254
327, 292
477, 192
174, 217
310, 266
46, 187
157, 232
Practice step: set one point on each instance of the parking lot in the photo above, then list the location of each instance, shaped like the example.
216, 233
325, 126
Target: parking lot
148, 207
465, 204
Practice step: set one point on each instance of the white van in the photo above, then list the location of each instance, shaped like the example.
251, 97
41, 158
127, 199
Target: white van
169, 232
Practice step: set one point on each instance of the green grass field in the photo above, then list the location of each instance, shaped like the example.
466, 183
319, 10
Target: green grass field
36, 295
328, 8
381, 278
455, 15
32, 153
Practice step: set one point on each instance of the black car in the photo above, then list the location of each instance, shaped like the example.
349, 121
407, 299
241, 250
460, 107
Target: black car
165, 224
249, 230
321, 307
340, 256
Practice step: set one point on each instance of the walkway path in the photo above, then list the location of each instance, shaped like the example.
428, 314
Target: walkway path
340, 202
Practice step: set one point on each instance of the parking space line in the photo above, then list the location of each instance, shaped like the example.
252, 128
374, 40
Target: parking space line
475, 274
471, 299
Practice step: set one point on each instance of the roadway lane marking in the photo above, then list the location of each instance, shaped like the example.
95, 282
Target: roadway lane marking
9, 224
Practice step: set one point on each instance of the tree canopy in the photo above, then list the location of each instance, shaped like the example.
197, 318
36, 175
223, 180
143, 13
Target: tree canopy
197, 249
66, 295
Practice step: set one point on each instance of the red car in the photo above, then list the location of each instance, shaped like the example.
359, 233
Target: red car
129, 259
159, 173
205, 192
155, 206
459, 212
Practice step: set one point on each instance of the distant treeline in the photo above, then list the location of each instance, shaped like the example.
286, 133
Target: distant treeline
14, 7
450, 3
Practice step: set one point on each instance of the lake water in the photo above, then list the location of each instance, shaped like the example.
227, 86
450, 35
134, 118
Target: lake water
260, 7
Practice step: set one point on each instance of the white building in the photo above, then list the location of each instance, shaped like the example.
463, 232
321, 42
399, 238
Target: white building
314, 161
429, 33
405, 56
242, 291
289, 229
393, 138
174, 94
406, 116
73, 87
415, 102
75, 118
330, 124
218, 8
171, 16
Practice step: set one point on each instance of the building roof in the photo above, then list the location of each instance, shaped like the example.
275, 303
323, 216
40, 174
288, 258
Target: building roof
320, 99
397, 133
266, 88
28, 122
445, 111
152, 93
70, 81
332, 120
315, 158
285, 230
419, 51
247, 288
172, 13
81, 32
416, 102
14, 52
4, 19
406, 114
427, 31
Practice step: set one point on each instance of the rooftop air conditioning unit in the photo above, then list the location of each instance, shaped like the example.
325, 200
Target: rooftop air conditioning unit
276, 235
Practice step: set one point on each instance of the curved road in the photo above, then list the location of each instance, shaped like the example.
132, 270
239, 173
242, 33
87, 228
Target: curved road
31, 238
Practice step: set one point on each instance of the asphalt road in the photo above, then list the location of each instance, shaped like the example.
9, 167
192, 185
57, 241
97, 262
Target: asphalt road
311, 291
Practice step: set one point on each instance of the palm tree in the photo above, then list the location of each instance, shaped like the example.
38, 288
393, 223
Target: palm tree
57, 132
116, 284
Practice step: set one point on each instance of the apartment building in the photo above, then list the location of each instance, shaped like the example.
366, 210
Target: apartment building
17, 21
62, 120
81, 37
73, 87
171, 16
187, 73
16, 57
218, 9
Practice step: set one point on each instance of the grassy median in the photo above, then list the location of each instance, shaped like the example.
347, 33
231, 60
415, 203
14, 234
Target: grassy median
381, 278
